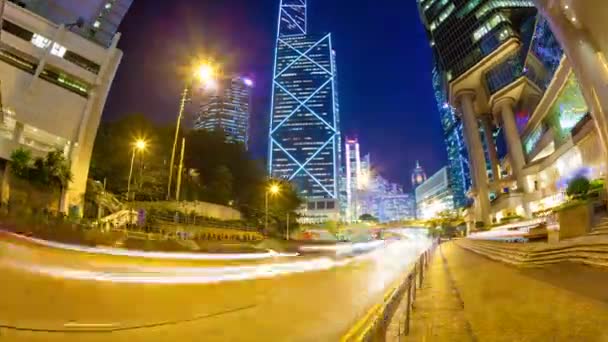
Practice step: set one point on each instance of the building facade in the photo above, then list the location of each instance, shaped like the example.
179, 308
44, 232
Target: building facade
54, 88
304, 133
376, 196
494, 78
434, 195
96, 20
352, 179
227, 109
459, 175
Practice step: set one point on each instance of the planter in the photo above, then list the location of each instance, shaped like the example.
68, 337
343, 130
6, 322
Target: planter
575, 221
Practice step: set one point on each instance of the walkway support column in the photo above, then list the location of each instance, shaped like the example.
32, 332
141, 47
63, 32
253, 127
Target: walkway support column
503, 108
488, 128
477, 161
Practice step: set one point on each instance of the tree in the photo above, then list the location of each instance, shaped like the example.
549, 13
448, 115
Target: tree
368, 218
445, 223
21, 160
220, 189
113, 150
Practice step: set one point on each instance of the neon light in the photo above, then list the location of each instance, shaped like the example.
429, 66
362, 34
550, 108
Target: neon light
313, 156
297, 162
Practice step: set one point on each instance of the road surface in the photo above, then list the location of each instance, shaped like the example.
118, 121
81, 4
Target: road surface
57, 305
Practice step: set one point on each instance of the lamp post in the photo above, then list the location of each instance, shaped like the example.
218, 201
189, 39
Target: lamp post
205, 73
272, 190
140, 145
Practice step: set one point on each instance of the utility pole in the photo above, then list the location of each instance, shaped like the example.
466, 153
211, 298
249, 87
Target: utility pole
2, 4
287, 226
179, 171
182, 106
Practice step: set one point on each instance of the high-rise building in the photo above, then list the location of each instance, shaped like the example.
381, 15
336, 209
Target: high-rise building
54, 87
385, 200
352, 178
304, 132
227, 109
97, 20
434, 195
458, 163
418, 175
494, 80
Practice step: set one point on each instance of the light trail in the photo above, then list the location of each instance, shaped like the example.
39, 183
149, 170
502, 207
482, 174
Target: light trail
390, 259
347, 248
154, 255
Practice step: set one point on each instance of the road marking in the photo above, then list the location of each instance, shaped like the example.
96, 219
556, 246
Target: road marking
91, 325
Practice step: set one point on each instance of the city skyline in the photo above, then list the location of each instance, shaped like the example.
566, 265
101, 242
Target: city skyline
415, 125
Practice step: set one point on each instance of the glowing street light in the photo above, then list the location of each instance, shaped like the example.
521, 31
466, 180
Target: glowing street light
205, 73
273, 189
140, 146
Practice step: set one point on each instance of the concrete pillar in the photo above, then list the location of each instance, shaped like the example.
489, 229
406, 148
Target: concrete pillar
477, 159
488, 128
581, 36
504, 109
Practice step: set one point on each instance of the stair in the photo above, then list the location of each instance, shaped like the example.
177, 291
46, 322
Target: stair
601, 228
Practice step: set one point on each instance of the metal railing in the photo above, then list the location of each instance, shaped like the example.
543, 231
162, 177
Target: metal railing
374, 325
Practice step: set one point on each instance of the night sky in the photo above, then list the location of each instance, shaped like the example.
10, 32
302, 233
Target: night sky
384, 69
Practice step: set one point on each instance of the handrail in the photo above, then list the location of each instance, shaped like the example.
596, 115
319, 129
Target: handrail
117, 219
376, 321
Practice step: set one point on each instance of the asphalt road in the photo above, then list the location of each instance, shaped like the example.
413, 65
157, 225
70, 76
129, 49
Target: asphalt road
319, 305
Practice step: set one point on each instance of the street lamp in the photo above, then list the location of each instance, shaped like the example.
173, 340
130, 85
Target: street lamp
273, 190
206, 74
140, 146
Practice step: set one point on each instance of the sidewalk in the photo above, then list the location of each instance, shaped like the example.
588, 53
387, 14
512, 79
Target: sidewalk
467, 297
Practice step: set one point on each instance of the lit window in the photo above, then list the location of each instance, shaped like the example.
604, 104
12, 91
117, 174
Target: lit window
96, 24
488, 26
40, 41
58, 50
442, 16
108, 5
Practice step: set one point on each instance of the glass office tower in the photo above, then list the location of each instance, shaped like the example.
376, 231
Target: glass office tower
227, 109
304, 133
459, 174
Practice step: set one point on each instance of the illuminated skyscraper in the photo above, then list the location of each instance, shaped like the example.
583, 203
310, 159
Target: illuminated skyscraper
227, 109
352, 179
99, 19
418, 175
458, 163
304, 132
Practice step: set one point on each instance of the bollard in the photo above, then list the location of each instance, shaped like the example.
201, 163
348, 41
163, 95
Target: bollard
422, 266
406, 329
416, 270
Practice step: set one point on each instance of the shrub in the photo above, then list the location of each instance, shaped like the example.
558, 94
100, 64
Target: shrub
578, 187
